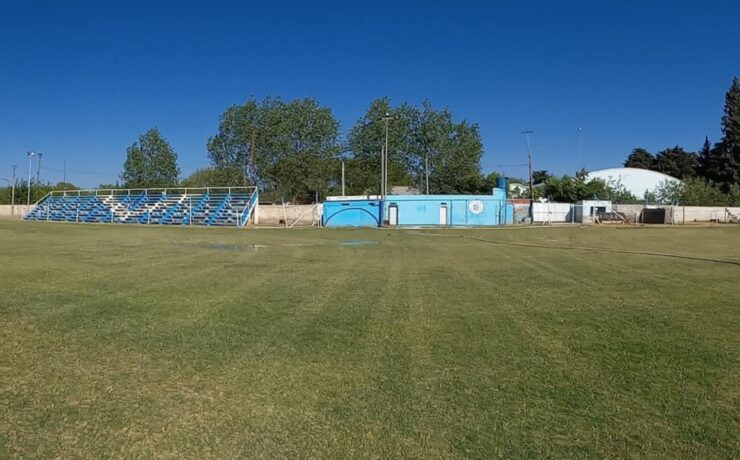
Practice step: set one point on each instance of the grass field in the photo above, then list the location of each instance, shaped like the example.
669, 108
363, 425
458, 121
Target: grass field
123, 341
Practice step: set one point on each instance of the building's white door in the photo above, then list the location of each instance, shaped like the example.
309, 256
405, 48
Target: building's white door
443, 214
393, 215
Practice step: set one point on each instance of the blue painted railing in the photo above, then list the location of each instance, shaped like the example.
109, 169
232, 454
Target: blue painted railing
206, 206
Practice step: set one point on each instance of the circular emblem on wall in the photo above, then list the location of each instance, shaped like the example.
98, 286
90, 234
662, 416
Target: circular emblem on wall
475, 207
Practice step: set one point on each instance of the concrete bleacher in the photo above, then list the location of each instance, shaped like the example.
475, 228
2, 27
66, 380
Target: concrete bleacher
227, 206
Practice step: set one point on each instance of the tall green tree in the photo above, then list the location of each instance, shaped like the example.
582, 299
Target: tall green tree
677, 162
540, 176
366, 139
420, 140
295, 147
725, 168
150, 162
230, 151
490, 182
640, 158
705, 159
453, 149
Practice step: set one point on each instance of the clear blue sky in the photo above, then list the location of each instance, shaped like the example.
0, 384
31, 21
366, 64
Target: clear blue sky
80, 80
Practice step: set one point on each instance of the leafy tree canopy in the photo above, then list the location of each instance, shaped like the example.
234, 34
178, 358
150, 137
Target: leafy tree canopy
539, 177
640, 158
677, 162
568, 189
696, 192
150, 162
295, 147
420, 139
210, 177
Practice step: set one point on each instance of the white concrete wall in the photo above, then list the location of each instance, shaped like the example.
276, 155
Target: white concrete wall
273, 214
552, 212
689, 214
20, 210
305, 215
680, 214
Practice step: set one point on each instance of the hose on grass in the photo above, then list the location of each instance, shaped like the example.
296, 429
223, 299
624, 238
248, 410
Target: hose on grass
585, 248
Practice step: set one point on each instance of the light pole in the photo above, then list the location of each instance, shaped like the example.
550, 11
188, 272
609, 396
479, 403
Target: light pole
30, 154
12, 196
342, 177
529, 158
426, 171
580, 148
384, 187
38, 170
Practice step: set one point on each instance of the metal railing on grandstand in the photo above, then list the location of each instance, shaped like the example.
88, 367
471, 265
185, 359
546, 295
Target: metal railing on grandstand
172, 205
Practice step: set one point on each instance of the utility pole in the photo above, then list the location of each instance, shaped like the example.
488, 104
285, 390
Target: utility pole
384, 188
580, 148
382, 169
529, 160
12, 196
252, 147
426, 170
38, 170
30, 154
64, 174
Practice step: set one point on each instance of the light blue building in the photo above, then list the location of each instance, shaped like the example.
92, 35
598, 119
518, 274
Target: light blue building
352, 213
421, 210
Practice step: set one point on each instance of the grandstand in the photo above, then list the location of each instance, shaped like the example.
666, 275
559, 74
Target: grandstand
226, 206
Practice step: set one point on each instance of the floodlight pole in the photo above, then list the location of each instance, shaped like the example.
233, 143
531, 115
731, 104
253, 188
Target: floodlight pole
580, 148
382, 170
426, 170
384, 187
38, 170
343, 178
12, 196
529, 161
30, 154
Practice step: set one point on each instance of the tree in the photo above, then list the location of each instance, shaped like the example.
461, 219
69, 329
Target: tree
65, 186
731, 118
705, 159
677, 162
695, 192
366, 140
150, 162
571, 189
296, 146
725, 168
640, 158
230, 149
419, 140
210, 177
539, 177
490, 182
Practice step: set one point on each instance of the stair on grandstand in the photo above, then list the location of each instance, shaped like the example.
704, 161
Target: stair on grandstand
209, 206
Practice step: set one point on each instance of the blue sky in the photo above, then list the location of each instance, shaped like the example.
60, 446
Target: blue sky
79, 81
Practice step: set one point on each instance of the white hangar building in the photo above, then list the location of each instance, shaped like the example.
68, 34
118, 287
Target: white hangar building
635, 180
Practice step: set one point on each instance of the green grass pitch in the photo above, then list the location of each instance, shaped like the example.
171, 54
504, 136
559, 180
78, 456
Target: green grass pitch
124, 341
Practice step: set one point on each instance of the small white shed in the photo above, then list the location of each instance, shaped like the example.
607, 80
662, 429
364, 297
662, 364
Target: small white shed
586, 210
